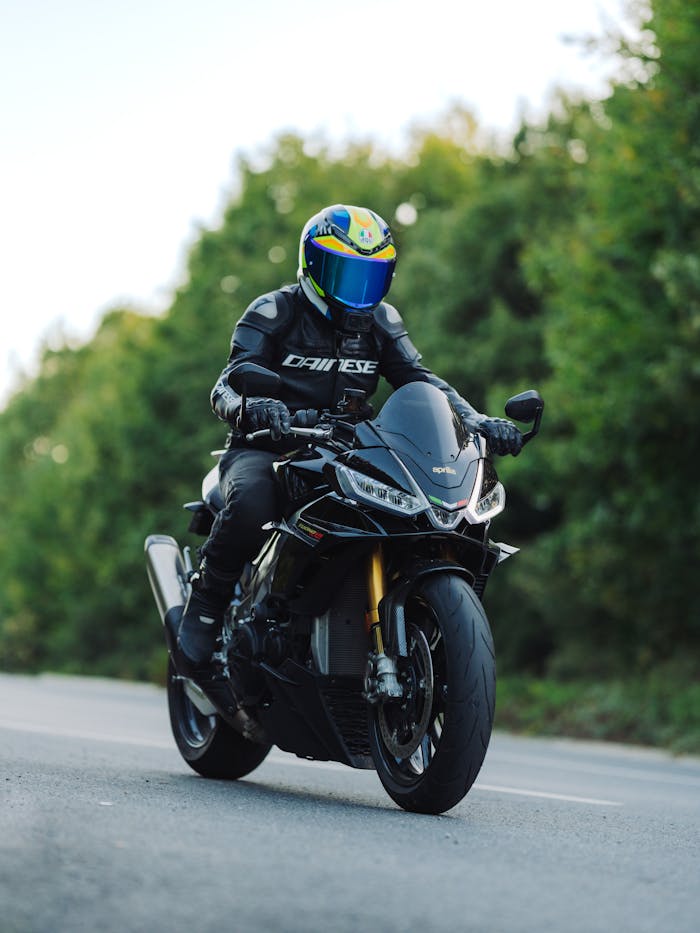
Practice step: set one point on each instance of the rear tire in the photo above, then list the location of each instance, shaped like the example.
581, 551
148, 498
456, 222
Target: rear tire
210, 746
428, 751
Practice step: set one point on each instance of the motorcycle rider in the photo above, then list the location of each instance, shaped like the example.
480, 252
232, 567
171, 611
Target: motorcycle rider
331, 331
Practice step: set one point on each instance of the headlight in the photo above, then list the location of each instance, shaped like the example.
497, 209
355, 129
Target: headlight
360, 486
489, 496
489, 505
446, 518
487, 500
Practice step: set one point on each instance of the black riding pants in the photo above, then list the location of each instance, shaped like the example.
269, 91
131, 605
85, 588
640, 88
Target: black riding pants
251, 498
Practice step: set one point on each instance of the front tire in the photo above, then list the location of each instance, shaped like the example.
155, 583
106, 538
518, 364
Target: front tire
210, 746
428, 750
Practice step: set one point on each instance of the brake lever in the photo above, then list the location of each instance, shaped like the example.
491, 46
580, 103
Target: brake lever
324, 434
320, 433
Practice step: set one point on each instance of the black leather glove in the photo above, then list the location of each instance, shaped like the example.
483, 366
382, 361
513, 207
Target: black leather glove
306, 418
502, 436
262, 413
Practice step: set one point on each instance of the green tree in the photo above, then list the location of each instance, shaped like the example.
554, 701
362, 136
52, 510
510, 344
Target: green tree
622, 336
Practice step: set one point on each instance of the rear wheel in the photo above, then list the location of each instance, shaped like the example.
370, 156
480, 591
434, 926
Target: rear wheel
210, 746
429, 748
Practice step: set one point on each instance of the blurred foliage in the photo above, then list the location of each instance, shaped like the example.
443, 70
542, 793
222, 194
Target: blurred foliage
569, 263
621, 330
659, 708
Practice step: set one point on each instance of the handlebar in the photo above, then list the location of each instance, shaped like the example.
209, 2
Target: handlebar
322, 434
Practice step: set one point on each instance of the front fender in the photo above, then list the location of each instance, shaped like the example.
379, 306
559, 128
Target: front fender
392, 606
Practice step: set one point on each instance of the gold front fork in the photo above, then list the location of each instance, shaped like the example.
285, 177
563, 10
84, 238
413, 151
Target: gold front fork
375, 591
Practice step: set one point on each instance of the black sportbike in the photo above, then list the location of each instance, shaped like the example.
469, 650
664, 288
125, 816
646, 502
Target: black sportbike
357, 634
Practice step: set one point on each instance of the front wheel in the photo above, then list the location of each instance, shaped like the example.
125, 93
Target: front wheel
209, 745
428, 748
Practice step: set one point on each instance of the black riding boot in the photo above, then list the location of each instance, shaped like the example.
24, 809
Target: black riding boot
203, 617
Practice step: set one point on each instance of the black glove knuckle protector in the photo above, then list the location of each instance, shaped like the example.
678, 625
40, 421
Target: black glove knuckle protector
273, 419
503, 436
285, 418
263, 413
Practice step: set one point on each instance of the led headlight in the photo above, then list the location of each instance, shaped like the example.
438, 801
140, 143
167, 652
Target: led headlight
490, 504
489, 496
446, 518
360, 486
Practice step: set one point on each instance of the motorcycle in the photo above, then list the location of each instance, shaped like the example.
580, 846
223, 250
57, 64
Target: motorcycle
357, 634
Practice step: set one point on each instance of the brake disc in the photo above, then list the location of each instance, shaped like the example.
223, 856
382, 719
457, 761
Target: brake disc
403, 730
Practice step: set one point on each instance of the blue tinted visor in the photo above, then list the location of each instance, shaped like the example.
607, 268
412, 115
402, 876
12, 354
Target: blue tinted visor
354, 281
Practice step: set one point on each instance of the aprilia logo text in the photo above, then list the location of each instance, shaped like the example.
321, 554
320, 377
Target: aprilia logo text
321, 365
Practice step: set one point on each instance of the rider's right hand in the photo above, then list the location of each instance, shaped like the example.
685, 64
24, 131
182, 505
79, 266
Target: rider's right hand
262, 413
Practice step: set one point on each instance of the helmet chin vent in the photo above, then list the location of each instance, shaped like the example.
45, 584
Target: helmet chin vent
351, 322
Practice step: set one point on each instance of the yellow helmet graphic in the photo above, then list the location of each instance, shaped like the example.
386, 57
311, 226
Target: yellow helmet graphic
348, 255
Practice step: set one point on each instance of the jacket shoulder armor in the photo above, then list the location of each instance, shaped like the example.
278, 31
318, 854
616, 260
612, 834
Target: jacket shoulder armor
389, 321
270, 313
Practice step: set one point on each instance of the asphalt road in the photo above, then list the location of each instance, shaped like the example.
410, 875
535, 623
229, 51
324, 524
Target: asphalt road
104, 828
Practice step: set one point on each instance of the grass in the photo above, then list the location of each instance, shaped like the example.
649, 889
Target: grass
657, 710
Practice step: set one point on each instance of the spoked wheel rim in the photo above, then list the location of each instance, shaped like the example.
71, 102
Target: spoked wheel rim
410, 732
195, 728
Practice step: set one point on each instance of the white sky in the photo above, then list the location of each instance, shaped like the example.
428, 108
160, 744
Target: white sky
120, 120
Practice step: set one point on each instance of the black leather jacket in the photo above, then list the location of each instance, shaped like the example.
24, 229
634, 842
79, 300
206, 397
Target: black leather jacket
284, 332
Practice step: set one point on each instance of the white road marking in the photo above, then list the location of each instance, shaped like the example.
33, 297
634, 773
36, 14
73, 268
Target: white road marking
276, 757
539, 793
61, 732
580, 767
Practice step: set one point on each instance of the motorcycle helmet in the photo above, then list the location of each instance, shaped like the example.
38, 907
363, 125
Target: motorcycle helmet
348, 256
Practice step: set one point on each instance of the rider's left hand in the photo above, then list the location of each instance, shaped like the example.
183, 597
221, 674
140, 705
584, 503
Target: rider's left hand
502, 436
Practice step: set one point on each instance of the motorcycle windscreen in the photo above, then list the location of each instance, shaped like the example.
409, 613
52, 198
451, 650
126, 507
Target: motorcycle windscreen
419, 421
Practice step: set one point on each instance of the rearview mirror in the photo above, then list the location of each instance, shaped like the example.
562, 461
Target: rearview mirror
524, 407
251, 379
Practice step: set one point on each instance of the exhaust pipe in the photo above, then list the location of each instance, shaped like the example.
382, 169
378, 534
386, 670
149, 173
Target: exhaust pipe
168, 578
